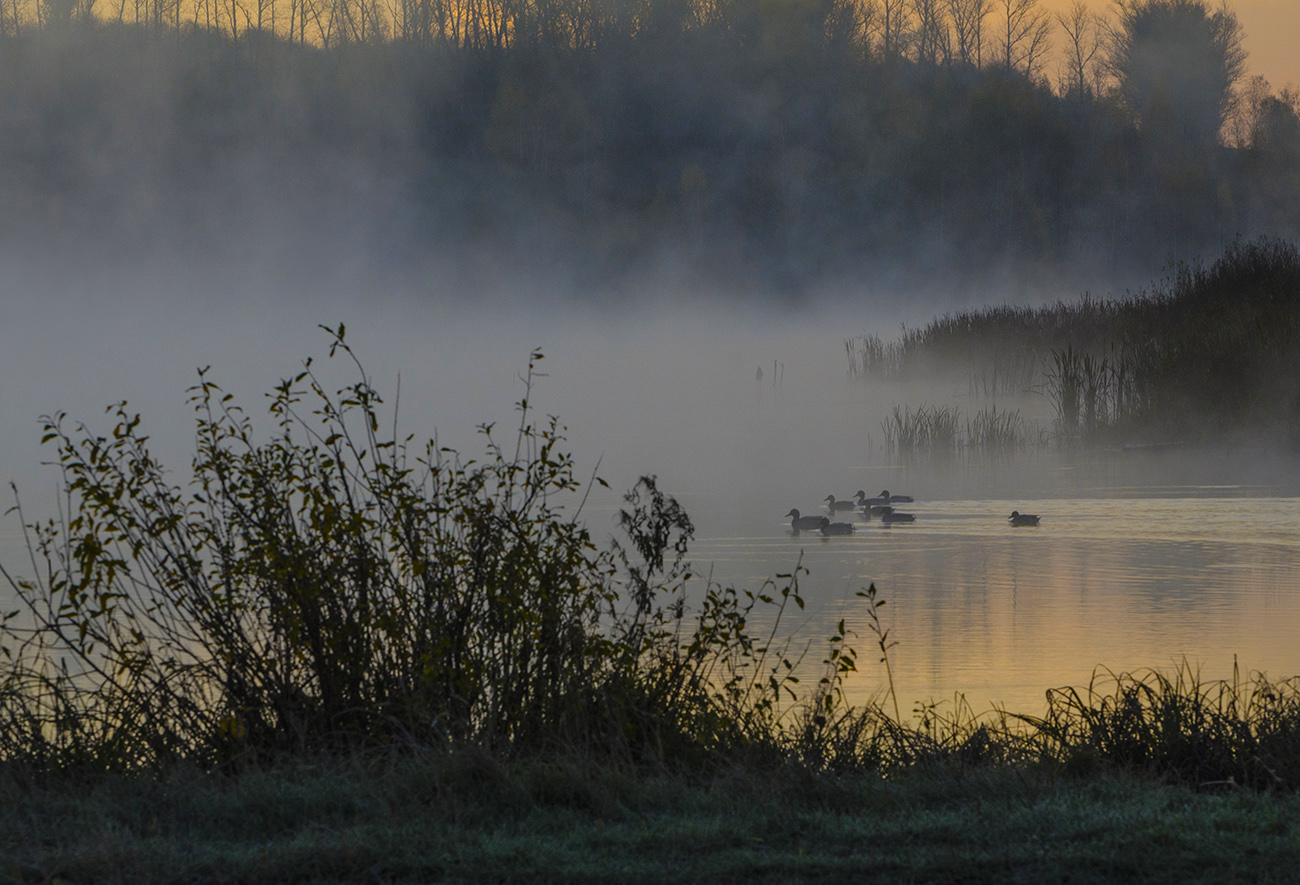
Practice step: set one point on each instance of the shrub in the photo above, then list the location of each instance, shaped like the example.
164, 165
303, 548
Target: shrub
335, 586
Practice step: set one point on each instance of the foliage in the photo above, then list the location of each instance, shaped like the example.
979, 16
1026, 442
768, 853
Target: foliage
1177, 63
337, 586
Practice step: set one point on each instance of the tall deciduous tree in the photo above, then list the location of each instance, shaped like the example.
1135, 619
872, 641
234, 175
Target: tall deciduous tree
932, 43
895, 22
1023, 35
967, 18
1178, 58
1081, 54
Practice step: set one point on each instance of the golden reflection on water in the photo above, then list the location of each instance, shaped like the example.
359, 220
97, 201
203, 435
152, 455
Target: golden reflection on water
1001, 614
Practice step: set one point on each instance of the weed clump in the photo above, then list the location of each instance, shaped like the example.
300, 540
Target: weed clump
336, 587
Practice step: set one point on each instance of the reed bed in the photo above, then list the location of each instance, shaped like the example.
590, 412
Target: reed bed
930, 430
871, 357
1239, 733
1203, 350
938, 431
997, 432
1209, 734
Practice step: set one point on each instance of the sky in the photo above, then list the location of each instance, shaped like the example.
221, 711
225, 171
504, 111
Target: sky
1272, 35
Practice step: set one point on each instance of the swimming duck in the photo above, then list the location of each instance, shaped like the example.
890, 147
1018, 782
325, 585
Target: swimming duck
895, 499
889, 514
804, 523
836, 528
834, 505
1018, 518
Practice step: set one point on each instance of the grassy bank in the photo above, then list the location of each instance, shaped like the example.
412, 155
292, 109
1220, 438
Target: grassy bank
472, 818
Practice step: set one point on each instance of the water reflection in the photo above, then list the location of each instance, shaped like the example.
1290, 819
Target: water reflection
1001, 613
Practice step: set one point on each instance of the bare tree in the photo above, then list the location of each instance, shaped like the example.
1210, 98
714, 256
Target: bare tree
1242, 123
1024, 29
895, 18
931, 36
1082, 61
967, 17
851, 23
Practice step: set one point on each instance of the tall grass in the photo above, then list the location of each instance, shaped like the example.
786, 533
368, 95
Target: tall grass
938, 431
871, 357
930, 430
1178, 727
991, 431
1238, 732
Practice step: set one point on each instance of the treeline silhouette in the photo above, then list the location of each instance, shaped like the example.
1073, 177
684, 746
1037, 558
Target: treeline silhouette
752, 145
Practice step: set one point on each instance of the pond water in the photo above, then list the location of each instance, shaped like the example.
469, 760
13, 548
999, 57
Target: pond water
1118, 575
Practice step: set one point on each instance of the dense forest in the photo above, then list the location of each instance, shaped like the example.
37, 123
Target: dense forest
775, 146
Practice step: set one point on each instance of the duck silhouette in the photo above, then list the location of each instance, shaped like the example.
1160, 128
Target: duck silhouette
834, 505
1018, 518
804, 523
836, 528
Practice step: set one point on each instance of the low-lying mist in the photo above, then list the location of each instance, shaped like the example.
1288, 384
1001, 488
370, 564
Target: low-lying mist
673, 392
740, 413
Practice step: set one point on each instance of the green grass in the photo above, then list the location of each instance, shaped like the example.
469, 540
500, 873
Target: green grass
470, 818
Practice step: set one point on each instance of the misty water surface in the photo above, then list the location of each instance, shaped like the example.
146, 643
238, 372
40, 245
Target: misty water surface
1134, 579
1143, 558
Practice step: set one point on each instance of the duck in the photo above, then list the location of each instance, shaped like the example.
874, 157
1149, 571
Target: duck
1018, 518
896, 499
836, 528
889, 514
804, 523
834, 505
